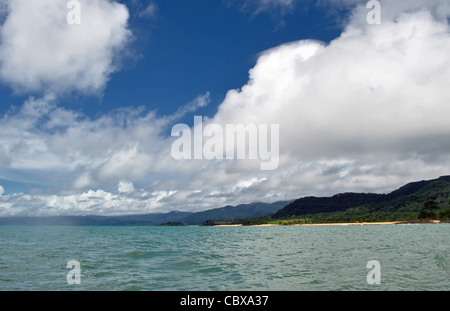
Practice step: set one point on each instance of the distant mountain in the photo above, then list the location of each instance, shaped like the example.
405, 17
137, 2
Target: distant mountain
128, 220
403, 202
187, 218
234, 212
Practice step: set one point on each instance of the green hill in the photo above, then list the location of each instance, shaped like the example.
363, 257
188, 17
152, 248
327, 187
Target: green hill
404, 203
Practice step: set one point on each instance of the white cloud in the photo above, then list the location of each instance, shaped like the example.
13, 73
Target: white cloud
369, 90
91, 202
199, 102
43, 139
125, 186
374, 100
256, 7
41, 52
275, 3
2, 190
149, 11
123, 144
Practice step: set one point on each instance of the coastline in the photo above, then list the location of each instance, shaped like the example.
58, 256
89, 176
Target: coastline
352, 224
332, 224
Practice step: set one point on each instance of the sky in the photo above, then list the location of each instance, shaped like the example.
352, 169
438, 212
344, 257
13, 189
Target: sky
87, 110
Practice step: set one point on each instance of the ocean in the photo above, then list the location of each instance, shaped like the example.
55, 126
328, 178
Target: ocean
280, 258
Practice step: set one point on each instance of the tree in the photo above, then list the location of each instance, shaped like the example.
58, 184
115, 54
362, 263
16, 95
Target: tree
430, 206
444, 215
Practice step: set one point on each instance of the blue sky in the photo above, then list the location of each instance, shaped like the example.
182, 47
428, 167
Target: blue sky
190, 48
86, 110
187, 48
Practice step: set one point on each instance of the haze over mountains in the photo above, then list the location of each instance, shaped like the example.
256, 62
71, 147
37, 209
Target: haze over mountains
187, 218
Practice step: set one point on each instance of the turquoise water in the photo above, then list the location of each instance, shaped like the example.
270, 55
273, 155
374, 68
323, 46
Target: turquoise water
412, 257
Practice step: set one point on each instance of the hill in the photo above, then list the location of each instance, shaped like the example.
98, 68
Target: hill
402, 204
234, 212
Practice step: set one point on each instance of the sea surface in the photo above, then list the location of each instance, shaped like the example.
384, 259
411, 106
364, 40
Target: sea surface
284, 258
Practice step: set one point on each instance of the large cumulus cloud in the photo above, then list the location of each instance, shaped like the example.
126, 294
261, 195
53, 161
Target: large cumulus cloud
370, 105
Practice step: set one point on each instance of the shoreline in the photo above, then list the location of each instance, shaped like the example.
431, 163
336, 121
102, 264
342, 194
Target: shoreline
335, 224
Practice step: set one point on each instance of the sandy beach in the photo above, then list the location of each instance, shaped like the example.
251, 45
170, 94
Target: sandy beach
324, 224
337, 224
351, 224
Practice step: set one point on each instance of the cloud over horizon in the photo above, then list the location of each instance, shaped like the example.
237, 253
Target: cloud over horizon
367, 111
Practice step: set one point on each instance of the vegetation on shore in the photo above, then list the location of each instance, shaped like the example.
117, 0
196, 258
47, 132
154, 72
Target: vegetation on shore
418, 202
171, 224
